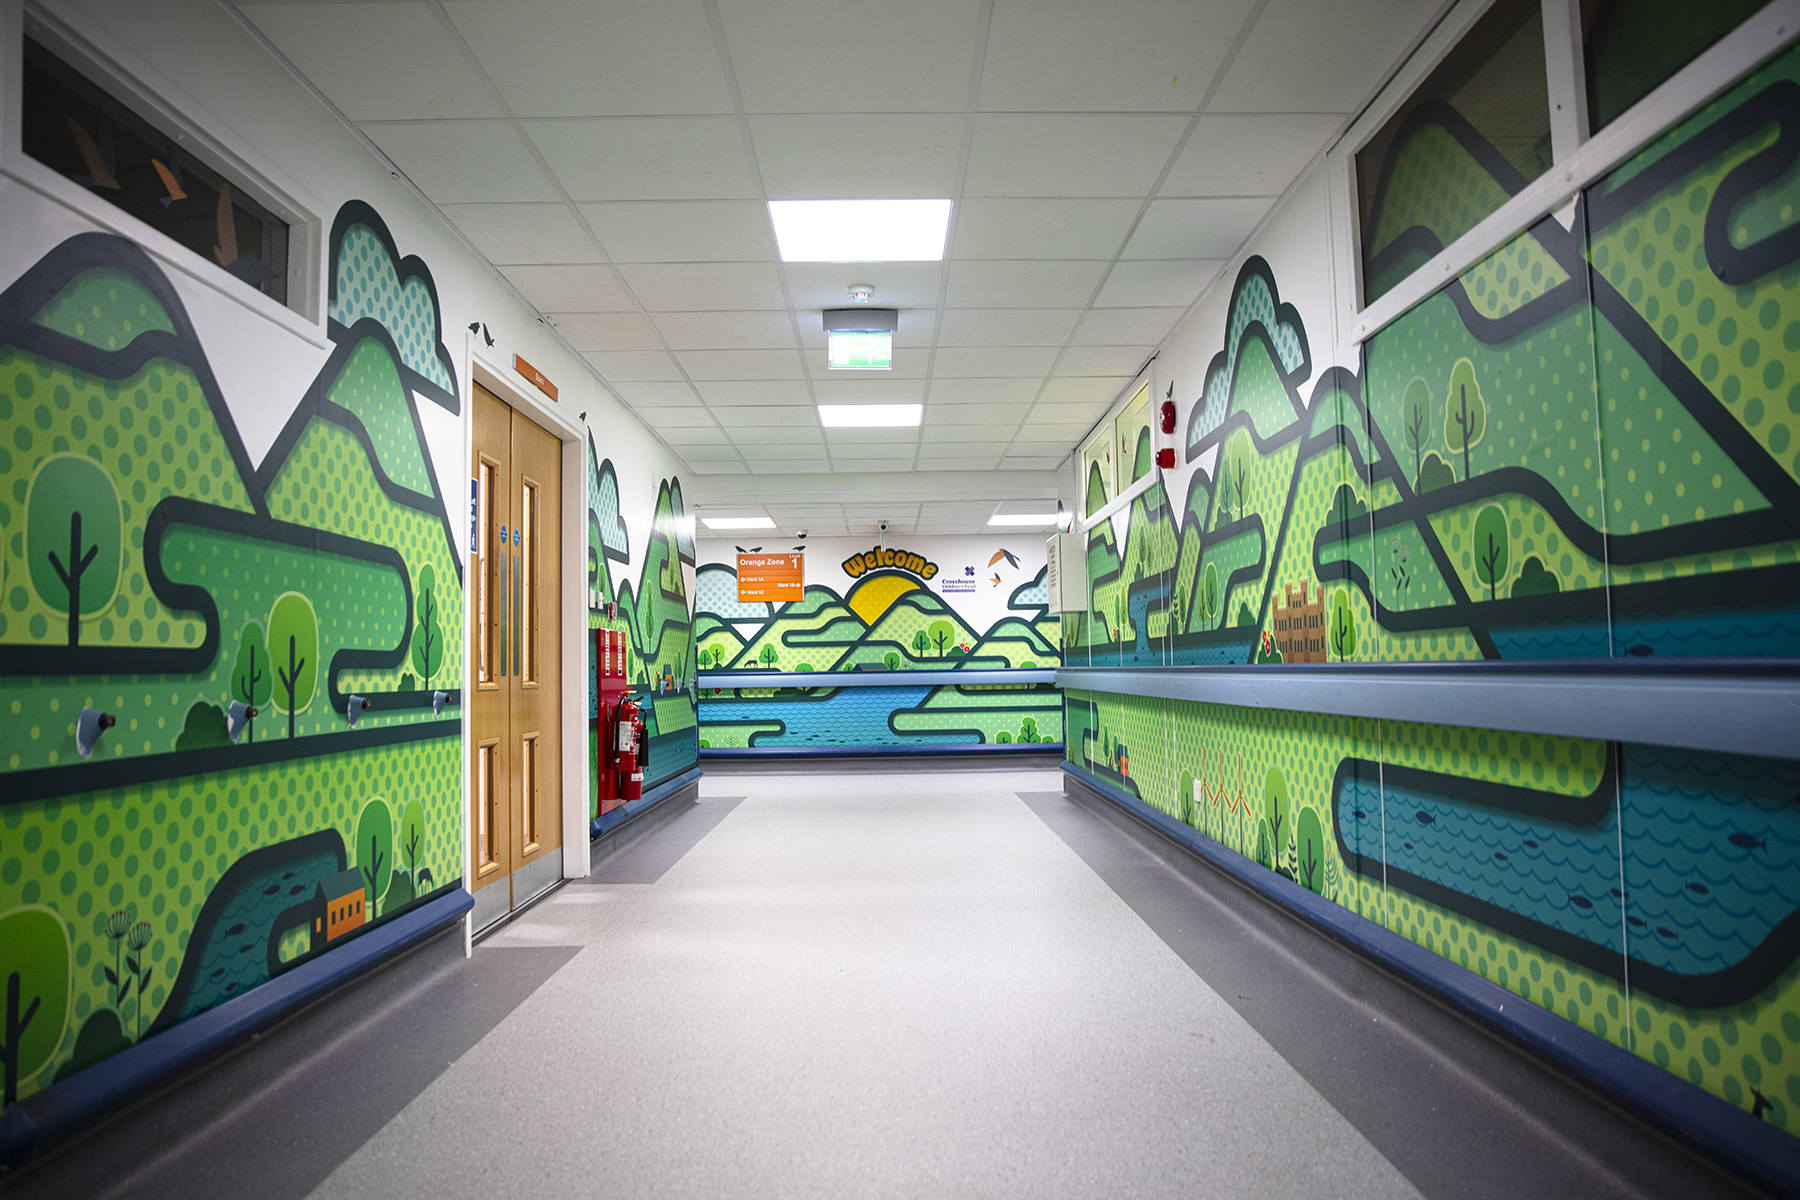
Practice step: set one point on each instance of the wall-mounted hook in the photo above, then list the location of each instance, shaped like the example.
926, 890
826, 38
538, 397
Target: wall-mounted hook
88, 728
354, 709
236, 718
437, 703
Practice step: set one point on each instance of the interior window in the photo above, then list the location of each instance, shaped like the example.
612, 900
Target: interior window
1474, 133
1631, 46
78, 130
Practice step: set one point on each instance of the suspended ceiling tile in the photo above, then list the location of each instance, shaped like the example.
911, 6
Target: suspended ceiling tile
1069, 154
995, 416
1125, 326
1007, 326
1102, 360
707, 287
767, 330
1082, 413
892, 513
716, 468
1303, 56
980, 391
862, 466
1211, 228
862, 155
1064, 435
585, 288
637, 158
1249, 154
1140, 56
908, 286
377, 61
993, 362
605, 331
757, 393
1095, 390
571, 57
990, 228
458, 162
794, 466
741, 364
676, 418
644, 231
1022, 283
769, 417
787, 514
821, 56
796, 438
1013, 462
631, 365
650, 397
869, 391
711, 453
683, 438
1156, 284
523, 233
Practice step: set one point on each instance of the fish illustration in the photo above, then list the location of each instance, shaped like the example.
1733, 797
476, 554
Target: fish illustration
296, 889
1580, 901
1531, 843
1499, 856
1012, 560
246, 947
216, 973
1408, 845
1747, 842
99, 158
1639, 650
1638, 921
1699, 888
1425, 818
235, 930
171, 180
1616, 892
1360, 814
271, 889
1661, 932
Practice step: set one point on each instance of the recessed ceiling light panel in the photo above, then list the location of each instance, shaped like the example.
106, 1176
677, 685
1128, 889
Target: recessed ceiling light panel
737, 522
860, 230
869, 416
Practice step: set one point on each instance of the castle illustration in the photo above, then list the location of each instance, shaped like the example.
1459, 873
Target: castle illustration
1300, 627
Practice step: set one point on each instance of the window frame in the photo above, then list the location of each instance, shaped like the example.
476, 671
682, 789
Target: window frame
112, 67
1106, 427
1580, 159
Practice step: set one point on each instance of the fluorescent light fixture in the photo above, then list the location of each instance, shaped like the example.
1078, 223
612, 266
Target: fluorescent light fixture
860, 230
869, 416
737, 522
1026, 519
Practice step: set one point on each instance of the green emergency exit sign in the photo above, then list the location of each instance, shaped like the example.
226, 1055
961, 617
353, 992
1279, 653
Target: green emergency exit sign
859, 351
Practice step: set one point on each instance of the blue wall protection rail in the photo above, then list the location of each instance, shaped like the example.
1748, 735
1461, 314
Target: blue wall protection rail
39, 1120
1663, 1099
843, 679
982, 749
651, 798
1732, 706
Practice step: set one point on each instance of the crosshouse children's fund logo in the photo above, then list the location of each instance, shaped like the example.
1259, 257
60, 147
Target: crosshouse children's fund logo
900, 560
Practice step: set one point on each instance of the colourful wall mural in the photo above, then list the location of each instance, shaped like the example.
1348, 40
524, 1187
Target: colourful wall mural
151, 573
922, 604
1581, 448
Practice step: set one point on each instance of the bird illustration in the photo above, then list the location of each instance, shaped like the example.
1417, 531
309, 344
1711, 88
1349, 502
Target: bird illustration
486, 337
995, 580
99, 158
171, 179
1012, 560
253, 271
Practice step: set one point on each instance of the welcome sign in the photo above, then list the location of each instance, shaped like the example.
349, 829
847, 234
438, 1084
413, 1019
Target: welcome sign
858, 565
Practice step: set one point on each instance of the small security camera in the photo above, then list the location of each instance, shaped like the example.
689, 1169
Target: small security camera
883, 525
801, 534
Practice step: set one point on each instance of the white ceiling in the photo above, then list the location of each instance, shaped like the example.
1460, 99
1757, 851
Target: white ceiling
613, 161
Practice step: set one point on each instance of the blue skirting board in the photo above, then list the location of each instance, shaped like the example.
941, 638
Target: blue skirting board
1670, 1103
997, 748
650, 799
39, 1120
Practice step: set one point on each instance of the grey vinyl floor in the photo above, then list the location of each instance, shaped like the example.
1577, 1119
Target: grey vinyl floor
869, 984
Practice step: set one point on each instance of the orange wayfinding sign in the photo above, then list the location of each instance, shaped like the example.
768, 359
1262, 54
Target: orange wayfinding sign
771, 576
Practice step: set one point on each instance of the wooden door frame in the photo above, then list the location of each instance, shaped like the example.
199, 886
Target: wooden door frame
493, 374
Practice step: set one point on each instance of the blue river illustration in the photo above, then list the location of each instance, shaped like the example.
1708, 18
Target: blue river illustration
1754, 634
1711, 855
847, 717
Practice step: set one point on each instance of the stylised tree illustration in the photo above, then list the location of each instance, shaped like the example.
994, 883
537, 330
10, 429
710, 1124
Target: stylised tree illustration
251, 678
294, 645
1465, 415
891, 661
716, 652
1209, 593
1275, 808
1028, 730
73, 537
1310, 858
769, 654
1343, 626
34, 969
921, 642
1492, 543
942, 634
1235, 473
409, 846
375, 849
428, 639
1185, 807
1417, 420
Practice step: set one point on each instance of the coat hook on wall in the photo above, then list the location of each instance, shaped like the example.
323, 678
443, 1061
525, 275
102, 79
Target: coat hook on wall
237, 717
88, 728
354, 709
437, 703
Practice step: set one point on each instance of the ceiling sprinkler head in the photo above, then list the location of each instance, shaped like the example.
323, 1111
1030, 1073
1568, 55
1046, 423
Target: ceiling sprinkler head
861, 293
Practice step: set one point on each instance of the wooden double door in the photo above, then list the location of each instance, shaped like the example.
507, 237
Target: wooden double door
515, 714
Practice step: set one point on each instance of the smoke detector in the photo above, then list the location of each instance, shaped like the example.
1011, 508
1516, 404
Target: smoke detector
861, 293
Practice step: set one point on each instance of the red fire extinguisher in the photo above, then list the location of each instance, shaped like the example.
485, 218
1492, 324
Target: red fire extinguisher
628, 750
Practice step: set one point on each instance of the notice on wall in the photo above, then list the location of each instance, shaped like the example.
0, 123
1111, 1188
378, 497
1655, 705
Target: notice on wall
777, 577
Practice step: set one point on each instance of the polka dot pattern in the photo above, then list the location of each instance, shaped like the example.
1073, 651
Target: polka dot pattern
369, 286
